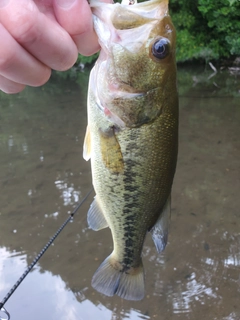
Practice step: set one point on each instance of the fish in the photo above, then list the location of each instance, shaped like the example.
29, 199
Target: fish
131, 137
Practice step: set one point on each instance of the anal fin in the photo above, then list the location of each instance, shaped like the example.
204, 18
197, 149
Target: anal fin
95, 217
160, 230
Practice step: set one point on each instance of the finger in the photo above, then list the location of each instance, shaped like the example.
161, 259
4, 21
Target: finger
87, 43
9, 86
38, 34
17, 65
75, 17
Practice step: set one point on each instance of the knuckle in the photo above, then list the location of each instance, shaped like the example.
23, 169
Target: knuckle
23, 24
27, 32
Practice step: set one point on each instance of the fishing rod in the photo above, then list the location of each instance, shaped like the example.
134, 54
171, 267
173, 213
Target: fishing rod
3, 311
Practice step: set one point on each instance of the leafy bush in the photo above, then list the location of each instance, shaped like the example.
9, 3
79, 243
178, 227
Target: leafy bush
86, 60
206, 29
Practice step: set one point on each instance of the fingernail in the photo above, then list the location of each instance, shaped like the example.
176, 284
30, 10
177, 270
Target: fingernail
3, 3
65, 3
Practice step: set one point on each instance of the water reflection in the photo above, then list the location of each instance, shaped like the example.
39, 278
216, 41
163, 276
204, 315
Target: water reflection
43, 176
232, 316
10, 143
194, 291
36, 285
62, 303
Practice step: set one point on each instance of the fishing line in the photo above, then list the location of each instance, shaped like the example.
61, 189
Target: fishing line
11, 291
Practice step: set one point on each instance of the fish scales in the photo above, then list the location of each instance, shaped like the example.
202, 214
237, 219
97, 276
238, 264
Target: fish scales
132, 139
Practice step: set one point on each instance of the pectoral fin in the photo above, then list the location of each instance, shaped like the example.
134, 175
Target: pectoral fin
160, 230
95, 217
87, 145
111, 150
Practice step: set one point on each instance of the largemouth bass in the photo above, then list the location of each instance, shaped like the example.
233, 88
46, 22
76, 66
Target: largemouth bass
132, 136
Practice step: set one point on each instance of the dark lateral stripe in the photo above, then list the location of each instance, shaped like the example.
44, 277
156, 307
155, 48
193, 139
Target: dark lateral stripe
131, 200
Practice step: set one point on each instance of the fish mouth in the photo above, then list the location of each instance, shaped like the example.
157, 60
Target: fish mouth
117, 91
128, 108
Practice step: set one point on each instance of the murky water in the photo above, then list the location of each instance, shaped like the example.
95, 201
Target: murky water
43, 176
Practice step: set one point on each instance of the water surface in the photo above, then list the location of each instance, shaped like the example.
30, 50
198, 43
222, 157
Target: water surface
43, 177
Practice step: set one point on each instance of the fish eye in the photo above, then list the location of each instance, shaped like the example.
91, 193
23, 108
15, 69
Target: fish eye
161, 48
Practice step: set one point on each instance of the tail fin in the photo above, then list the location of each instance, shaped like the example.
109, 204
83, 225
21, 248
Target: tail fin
109, 279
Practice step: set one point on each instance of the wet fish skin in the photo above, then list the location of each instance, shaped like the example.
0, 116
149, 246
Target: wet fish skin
132, 138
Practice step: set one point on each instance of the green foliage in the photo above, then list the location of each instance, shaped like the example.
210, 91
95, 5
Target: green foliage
86, 60
206, 29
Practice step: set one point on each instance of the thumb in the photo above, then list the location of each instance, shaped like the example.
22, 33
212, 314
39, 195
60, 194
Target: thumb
75, 17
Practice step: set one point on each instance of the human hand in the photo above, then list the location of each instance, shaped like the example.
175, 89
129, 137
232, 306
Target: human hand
39, 35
